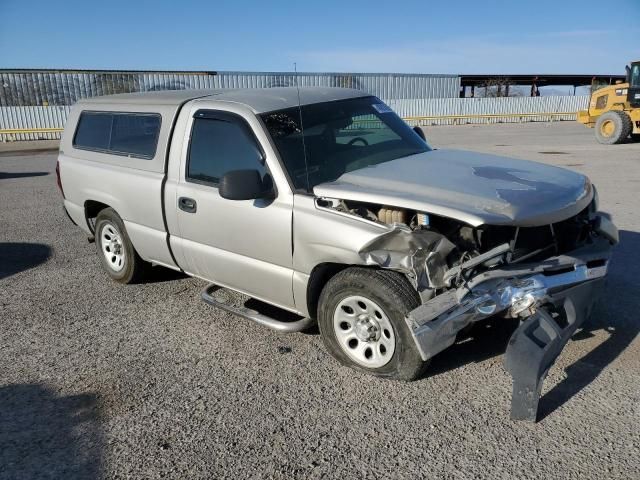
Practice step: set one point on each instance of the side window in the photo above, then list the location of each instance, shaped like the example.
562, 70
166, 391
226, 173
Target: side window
129, 134
135, 134
219, 144
93, 131
601, 102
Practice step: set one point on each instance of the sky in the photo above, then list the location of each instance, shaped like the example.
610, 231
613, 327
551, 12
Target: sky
455, 37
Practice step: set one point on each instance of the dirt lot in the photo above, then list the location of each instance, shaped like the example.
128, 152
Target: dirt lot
103, 380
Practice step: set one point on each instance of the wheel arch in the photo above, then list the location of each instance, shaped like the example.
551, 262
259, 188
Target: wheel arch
91, 210
324, 272
320, 275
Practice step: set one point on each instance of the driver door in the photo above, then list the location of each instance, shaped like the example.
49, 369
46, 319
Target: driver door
241, 244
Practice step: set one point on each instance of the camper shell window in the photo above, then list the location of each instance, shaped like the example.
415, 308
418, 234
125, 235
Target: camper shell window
120, 133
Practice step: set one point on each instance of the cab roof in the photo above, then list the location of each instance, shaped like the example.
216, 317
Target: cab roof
260, 100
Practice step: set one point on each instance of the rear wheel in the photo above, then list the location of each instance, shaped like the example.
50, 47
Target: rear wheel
613, 127
119, 258
361, 317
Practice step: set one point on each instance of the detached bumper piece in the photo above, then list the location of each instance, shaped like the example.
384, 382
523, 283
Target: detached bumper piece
552, 298
538, 341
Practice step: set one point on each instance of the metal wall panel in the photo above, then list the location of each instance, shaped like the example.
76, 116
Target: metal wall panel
30, 88
386, 86
435, 111
476, 110
29, 118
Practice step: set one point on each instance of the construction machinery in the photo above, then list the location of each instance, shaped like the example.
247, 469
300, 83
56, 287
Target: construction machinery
614, 110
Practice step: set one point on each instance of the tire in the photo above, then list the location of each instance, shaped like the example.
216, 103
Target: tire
387, 297
120, 260
613, 127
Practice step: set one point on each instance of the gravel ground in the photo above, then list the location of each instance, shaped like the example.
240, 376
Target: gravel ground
103, 380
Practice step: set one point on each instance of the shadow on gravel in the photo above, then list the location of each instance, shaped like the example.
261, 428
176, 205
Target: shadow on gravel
161, 274
46, 436
486, 340
616, 313
24, 153
17, 257
6, 175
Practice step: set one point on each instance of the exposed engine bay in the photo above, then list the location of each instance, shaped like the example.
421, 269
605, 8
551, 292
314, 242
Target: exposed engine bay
442, 253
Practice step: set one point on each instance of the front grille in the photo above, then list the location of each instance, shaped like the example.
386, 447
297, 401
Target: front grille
533, 243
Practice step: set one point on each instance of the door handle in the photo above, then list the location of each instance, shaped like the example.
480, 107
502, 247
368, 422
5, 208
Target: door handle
188, 205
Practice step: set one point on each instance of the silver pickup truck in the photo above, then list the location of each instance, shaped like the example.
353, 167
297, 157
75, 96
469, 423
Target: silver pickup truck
323, 203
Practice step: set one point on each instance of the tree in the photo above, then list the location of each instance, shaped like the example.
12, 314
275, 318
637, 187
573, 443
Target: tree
498, 87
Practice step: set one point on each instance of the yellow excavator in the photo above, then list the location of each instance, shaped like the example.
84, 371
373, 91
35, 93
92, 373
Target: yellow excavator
614, 111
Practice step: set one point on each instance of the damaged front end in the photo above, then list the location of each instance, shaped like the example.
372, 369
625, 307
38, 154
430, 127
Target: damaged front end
420, 255
548, 276
552, 298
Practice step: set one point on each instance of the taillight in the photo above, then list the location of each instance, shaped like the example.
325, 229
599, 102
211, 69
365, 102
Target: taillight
58, 178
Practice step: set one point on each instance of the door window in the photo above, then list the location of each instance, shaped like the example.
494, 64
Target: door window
220, 143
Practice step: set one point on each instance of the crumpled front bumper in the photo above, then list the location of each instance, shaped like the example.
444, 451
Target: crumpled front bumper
552, 298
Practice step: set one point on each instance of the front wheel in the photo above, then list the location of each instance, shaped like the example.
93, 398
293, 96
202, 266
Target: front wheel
361, 317
119, 258
613, 127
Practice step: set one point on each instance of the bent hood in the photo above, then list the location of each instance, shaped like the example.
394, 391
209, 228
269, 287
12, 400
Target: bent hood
474, 188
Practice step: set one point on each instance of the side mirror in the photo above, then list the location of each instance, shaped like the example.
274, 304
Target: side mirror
420, 133
244, 185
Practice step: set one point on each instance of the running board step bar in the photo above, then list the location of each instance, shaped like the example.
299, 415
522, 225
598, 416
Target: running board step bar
208, 295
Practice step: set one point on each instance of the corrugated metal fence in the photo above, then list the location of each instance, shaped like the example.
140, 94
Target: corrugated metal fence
436, 111
455, 111
48, 87
385, 86
43, 123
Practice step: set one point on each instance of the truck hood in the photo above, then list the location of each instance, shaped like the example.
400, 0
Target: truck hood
472, 187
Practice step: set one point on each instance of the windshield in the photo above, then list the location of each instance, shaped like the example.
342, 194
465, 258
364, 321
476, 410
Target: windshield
339, 137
